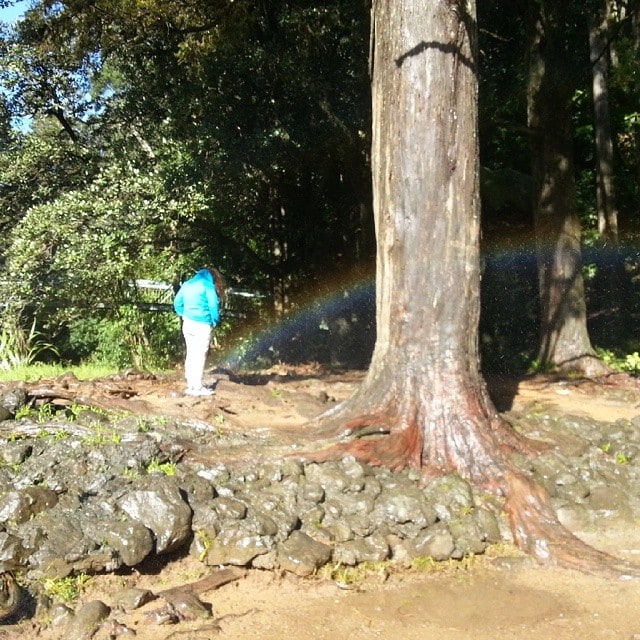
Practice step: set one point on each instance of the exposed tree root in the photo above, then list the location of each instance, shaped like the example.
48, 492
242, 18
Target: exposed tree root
399, 447
537, 531
589, 366
482, 456
395, 451
365, 425
111, 398
208, 583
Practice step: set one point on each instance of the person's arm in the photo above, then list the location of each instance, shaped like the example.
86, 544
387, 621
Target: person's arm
214, 304
178, 302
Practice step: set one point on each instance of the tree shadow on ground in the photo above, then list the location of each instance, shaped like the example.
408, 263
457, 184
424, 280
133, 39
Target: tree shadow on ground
502, 390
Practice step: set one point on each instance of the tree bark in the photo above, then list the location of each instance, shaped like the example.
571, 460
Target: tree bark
425, 366
565, 344
605, 188
424, 386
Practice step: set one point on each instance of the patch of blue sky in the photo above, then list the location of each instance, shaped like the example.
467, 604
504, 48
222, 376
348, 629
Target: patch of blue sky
11, 14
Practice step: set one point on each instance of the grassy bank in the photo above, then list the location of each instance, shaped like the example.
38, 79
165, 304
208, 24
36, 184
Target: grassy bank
39, 371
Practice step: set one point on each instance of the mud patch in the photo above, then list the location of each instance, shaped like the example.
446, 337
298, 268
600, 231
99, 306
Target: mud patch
472, 604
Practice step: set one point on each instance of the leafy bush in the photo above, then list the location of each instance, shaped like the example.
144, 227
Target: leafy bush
628, 363
118, 229
19, 347
133, 338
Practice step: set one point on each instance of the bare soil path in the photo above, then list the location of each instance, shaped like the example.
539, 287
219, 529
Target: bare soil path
497, 598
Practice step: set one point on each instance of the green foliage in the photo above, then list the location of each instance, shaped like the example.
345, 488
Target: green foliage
23, 412
240, 137
620, 457
347, 577
537, 367
116, 230
144, 340
120, 228
234, 145
43, 371
627, 363
37, 168
269, 109
167, 468
204, 542
19, 348
45, 79
100, 436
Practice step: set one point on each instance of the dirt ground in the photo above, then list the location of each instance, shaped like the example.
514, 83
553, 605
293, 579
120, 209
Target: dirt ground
500, 596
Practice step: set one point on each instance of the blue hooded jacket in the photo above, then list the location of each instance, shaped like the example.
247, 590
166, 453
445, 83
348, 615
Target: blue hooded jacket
197, 299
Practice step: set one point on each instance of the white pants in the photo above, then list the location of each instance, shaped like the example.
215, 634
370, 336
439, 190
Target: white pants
197, 336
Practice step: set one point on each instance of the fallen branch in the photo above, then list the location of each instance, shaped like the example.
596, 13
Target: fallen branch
208, 583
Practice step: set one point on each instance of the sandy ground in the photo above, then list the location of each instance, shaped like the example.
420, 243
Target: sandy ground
497, 598
493, 599
483, 602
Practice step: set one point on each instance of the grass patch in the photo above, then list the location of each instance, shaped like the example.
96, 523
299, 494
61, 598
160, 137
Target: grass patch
102, 437
41, 371
356, 576
66, 589
167, 468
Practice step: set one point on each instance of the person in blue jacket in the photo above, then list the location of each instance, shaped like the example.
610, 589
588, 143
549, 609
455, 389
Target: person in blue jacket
197, 302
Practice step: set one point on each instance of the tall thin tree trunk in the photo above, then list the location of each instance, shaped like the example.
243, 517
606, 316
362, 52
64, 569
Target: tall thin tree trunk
612, 280
605, 186
634, 8
564, 340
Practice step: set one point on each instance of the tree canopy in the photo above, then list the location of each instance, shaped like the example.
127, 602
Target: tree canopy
240, 135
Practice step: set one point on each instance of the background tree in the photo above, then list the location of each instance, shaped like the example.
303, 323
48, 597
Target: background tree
624, 93
36, 168
509, 318
510, 332
264, 113
74, 260
613, 282
564, 341
600, 37
272, 104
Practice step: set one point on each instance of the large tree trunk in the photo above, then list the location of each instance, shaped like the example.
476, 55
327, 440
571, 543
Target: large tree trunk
423, 403
565, 343
423, 382
426, 202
